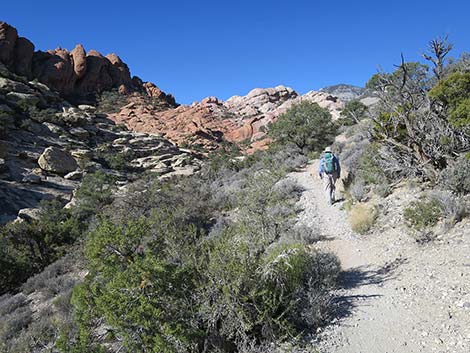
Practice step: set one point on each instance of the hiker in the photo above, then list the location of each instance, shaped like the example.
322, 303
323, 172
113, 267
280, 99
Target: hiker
329, 170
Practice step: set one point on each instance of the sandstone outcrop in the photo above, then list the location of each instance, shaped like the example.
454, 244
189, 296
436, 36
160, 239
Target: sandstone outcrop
76, 74
207, 123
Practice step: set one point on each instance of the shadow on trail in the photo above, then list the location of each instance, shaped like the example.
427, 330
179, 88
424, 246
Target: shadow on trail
360, 277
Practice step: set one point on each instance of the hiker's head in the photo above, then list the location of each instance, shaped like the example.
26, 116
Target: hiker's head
328, 150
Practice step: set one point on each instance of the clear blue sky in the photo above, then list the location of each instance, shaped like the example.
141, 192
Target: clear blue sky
195, 49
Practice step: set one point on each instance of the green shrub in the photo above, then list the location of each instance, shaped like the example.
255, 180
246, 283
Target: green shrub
27, 247
353, 112
95, 192
115, 160
454, 93
368, 174
193, 270
306, 125
423, 213
111, 101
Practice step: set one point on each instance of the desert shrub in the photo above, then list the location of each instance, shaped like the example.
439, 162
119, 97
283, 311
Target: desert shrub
54, 279
423, 213
453, 208
359, 189
306, 125
195, 271
117, 160
12, 324
304, 235
111, 101
353, 112
438, 205
367, 174
362, 218
456, 177
95, 192
9, 303
27, 247
453, 93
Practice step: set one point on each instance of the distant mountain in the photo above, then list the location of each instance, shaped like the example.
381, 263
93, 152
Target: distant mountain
345, 92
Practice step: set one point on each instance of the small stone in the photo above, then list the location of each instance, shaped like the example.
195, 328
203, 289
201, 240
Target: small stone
80, 132
32, 179
3, 165
87, 108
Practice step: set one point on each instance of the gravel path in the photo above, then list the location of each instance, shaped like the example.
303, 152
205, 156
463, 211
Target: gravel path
395, 296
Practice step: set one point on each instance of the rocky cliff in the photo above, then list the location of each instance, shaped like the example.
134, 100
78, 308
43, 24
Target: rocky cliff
74, 74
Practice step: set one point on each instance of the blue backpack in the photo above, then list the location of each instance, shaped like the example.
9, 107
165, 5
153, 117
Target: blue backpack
329, 165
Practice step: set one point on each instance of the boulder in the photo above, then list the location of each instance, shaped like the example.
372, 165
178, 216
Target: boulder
55, 160
79, 61
29, 214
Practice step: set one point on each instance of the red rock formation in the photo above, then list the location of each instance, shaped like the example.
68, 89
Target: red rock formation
208, 122
72, 74
79, 61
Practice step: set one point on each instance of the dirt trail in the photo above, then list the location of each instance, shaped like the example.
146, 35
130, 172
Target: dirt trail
394, 296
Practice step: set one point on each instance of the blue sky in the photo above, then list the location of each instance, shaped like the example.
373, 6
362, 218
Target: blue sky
195, 49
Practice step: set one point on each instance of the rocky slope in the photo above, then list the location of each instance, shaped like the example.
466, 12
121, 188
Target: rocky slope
48, 145
209, 122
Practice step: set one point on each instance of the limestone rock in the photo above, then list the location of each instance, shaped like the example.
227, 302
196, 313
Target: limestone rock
28, 99
32, 178
29, 214
75, 175
80, 132
56, 160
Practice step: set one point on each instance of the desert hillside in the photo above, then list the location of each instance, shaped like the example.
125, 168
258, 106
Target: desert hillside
132, 223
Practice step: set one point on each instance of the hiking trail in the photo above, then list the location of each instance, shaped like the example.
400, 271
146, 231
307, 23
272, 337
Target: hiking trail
394, 297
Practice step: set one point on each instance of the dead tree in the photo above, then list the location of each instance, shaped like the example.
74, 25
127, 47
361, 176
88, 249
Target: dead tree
437, 51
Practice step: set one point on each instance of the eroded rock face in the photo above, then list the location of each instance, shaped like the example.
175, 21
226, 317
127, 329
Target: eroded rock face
55, 160
209, 122
75, 74
34, 164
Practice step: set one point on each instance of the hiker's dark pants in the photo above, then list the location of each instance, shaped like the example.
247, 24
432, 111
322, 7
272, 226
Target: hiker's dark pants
329, 181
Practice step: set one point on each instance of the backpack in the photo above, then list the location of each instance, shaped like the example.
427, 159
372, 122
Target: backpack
329, 165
